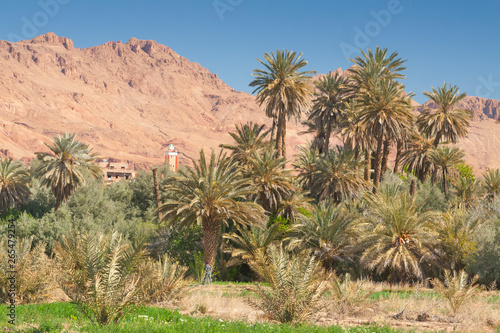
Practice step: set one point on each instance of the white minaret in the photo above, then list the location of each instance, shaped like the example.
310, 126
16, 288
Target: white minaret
171, 157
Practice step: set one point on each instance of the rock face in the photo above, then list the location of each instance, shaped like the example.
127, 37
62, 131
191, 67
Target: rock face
482, 108
128, 101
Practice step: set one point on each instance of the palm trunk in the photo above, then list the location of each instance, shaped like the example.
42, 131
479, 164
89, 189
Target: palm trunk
437, 139
385, 156
327, 139
367, 165
399, 151
283, 137
157, 193
424, 173
378, 165
413, 187
273, 128
211, 231
434, 176
279, 142
445, 187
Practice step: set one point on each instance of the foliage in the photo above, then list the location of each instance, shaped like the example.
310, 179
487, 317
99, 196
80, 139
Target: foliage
456, 289
338, 176
100, 274
396, 235
297, 285
328, 231
14, 181
467, 191
491, 182
34, 277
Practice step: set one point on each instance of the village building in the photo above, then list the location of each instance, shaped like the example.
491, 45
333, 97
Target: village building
115, 171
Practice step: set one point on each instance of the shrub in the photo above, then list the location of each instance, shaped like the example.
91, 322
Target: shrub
349, 295
167, 279
456, 289
101, 275
34, 271
297, 285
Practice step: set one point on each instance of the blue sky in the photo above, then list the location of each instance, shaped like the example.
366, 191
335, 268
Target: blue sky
452, 41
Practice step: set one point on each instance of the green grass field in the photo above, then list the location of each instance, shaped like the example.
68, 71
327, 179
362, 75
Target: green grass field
56, 317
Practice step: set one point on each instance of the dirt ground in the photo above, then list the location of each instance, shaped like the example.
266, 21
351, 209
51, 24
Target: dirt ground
423, 311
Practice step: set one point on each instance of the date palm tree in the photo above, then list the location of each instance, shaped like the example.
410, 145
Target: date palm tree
338, 176
385, 113
209, 193
396, 236
63, 170
445, 158
491, 182
272, 184
249, 138
305, 164
284, 89
416, 156
328, 231
14, 180
328, 104
446, 122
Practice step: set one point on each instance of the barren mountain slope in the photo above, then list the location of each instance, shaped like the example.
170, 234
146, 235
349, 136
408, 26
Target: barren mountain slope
129, 101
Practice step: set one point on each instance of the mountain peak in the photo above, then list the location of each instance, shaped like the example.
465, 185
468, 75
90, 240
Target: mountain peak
51, 38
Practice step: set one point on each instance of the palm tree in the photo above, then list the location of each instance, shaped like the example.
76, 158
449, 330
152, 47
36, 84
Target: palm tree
249, 138
371, 67
271, 183
385, 113
327, 231
396, 236
250, 242
491, 182
354, 135
284, 90
316, 127
467, 189
330, 100
338, 176
305, 164
416, 156
209, 194
445, 158
294, 204
446, 122
63, 170
14, 180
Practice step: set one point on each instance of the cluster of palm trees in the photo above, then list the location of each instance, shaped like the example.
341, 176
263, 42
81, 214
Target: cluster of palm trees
325, 198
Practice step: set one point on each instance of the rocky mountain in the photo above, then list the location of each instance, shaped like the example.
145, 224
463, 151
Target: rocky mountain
129, 101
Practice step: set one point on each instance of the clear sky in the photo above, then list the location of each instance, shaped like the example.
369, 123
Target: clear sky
453, 41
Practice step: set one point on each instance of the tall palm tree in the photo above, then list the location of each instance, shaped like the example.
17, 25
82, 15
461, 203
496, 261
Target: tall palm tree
396, 236
315, 126
249, 138
491, 182
14, 180
371, 67
446, 122
64, 168
338, 176
209, 193
271, 183
354, 135
330, 100
416, 156
305, 164
467, 189
385, 113
445, 158
284, 89
328, 231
